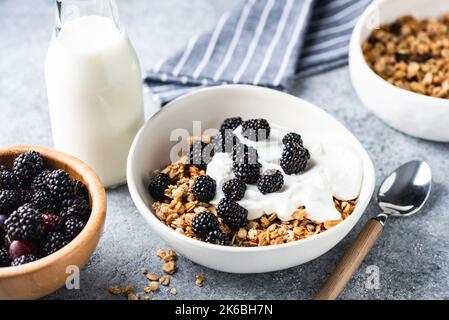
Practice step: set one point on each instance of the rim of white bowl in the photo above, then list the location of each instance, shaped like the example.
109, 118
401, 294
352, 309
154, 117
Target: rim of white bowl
355, 47
368, 178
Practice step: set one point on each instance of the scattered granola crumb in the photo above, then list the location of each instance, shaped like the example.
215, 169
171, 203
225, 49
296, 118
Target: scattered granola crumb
152, 277
114, 290
127, 290
199, 280
165, 280
169, 258
143, 270
129, 293
169, 267
170, 255
154, 286
133, 296
160, 253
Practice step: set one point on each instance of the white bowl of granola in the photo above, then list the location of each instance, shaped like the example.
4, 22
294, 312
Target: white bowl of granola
290, 241
400, 70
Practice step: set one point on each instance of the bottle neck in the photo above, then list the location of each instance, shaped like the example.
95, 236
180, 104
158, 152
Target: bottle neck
67, 10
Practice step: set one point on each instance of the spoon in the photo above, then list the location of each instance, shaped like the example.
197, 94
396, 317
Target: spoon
401, 194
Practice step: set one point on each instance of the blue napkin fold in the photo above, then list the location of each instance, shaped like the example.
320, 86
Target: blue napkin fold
261, 42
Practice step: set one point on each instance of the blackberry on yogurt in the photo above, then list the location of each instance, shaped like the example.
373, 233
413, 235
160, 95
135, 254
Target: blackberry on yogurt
256, 129
231, 124
270, 181
200, 154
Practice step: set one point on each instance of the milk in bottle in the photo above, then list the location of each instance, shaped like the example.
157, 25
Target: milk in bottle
94, 87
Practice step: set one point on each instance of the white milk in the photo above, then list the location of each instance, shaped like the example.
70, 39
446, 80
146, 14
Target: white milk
95, 94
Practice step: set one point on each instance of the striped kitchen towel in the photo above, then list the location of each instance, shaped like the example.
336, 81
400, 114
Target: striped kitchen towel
261, 42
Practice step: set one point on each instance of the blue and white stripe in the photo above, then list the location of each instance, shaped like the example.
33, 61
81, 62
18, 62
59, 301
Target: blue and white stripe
261, 42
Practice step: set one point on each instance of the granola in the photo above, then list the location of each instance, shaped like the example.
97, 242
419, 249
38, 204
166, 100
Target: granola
169, 257
181, 207
114, 290
153, 277
199, 280
412, 54
154, 286
165, 280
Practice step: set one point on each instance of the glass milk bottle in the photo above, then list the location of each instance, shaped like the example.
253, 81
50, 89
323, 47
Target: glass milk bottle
94, 87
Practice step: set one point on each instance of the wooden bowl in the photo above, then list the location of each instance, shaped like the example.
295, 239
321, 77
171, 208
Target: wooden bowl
42, 277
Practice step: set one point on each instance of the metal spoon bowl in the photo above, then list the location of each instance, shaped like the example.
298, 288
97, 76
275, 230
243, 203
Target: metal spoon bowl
405, 190
403, 193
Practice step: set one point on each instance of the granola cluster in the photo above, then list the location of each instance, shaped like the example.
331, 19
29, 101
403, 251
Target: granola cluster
412, 54
181, 207
169, 258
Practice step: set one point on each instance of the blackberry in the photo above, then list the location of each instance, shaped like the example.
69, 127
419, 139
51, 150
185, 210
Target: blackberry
234, 189
217, 237
233, 214
27, 195
53, 241
52, 222
81, 190
25, 224
243, 154
3, 218
27, 166
292, 137
157, 186
203, 223
60, 185
421, 58
19, 248
72, 227
231, 124
5, 259
399, 56
6, 240
225, 141
75, 207
43, 201
8, 180
373, 40
204, 188
395, 28
271, 181
200, 154
23, 260
294, 158
248, 173
40, 181
256, 129
10, 200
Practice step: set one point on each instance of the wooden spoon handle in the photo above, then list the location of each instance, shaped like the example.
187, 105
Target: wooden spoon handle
351, 261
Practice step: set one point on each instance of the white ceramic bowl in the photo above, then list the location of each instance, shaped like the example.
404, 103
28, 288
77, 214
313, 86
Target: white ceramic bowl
211, 106
415, 114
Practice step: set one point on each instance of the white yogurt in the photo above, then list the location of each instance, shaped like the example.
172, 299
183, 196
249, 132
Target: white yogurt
335, 170
95, 94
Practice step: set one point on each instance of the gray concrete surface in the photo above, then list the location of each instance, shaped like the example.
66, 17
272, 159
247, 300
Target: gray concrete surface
412, 255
